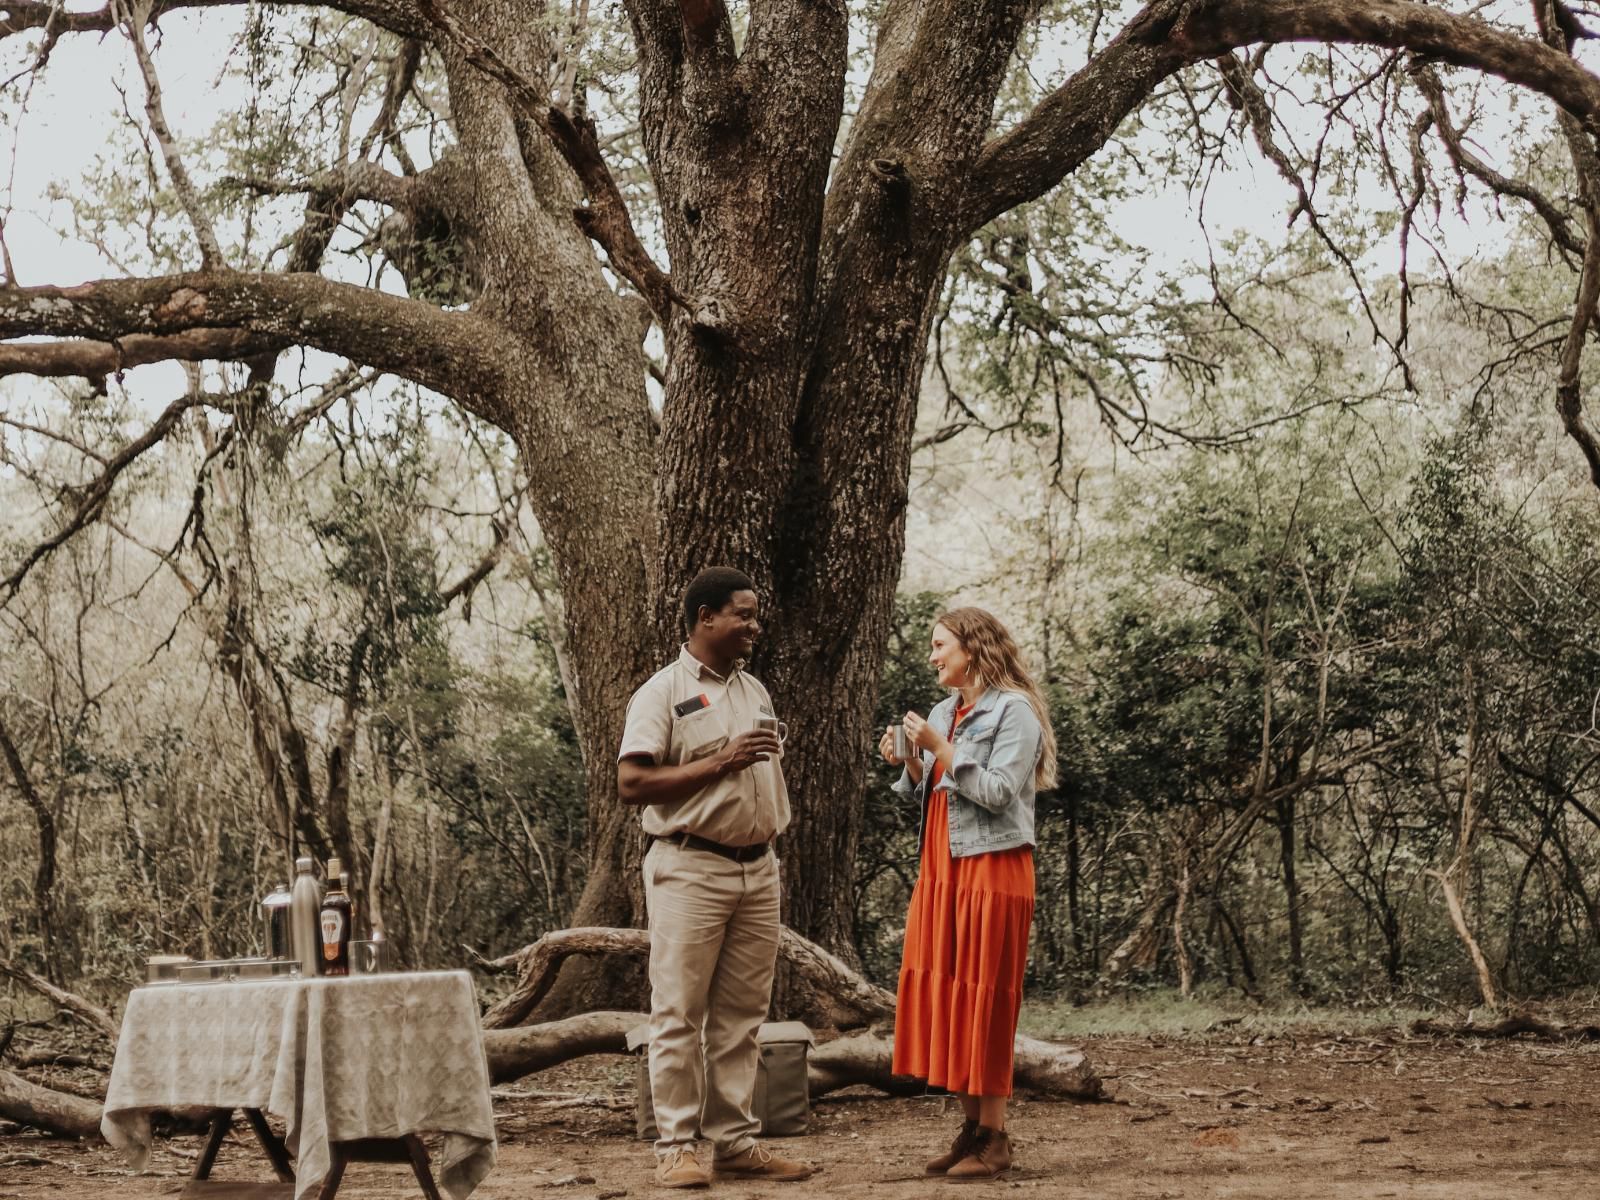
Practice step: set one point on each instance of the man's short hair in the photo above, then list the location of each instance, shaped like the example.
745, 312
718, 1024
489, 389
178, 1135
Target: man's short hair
712, 589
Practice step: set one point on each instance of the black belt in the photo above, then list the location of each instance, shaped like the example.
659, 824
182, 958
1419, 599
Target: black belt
690, 841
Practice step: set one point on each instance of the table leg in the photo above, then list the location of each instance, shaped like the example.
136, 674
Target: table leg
271, 1143
221, 1122
330, 1181
420, 1167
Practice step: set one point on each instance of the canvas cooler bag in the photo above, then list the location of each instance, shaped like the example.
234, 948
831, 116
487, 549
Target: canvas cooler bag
783, 1094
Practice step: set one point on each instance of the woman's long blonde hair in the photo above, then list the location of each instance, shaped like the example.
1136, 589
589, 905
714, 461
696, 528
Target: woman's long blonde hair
997, 663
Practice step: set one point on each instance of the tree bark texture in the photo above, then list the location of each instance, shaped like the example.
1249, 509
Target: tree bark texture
796, 315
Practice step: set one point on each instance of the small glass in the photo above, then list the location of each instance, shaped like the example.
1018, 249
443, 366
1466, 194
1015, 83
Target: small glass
369, 956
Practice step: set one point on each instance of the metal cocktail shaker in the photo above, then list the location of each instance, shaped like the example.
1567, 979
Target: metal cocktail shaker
305, 907
278, 942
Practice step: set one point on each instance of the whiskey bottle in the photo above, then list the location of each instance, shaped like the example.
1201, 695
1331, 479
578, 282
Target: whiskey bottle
335, 924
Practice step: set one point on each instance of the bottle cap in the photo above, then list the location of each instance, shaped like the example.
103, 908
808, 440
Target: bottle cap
334, 867
303, 865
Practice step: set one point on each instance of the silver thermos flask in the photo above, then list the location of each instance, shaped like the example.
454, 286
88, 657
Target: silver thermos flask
305, 908
275, 915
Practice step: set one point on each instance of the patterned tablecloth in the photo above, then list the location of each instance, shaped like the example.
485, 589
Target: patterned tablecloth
369, 1056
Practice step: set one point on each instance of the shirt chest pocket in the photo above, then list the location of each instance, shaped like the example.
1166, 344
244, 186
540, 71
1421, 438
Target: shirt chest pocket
978, 738
699, 734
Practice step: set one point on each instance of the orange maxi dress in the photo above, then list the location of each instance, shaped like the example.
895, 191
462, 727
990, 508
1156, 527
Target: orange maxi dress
961, 970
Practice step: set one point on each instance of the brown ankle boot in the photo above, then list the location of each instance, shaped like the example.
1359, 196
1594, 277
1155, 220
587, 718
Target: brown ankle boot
959, 1149
989, 1157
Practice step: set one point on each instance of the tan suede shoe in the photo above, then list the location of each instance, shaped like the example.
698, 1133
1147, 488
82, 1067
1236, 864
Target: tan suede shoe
959, 1149
989, 1158
760, 1163
679, 1168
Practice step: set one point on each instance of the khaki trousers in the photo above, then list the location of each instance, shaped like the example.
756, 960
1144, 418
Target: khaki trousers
713, 946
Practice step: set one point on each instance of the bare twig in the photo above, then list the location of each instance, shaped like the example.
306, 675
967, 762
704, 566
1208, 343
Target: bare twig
134, 18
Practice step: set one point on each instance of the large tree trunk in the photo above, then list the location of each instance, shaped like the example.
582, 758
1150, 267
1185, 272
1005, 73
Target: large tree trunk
578, 385
794, 371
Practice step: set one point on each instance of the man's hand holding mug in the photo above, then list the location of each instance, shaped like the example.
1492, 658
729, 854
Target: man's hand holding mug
747, 749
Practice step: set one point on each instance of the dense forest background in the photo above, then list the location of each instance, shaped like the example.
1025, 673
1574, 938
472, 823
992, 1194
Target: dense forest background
1402, 585
1293, 535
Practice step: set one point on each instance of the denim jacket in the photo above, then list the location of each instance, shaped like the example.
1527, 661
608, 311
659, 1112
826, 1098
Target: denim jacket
989, 787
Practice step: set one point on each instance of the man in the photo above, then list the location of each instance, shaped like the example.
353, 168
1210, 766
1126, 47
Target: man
714, 799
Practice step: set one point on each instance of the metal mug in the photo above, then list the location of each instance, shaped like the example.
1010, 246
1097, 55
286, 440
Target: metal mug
275, 916
773, 725
902, 743
369, 956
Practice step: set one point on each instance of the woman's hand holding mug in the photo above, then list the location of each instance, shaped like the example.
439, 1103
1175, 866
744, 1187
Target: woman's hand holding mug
922, 734
895, 745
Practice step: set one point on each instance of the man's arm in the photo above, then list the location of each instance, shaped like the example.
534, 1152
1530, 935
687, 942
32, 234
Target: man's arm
641, 781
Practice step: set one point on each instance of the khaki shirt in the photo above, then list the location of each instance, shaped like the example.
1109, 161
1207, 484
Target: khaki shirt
744, 808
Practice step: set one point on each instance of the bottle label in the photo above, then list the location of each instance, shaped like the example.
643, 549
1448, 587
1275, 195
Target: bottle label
332, 929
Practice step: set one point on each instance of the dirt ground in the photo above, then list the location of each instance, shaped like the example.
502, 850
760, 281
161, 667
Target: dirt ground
1263, 1117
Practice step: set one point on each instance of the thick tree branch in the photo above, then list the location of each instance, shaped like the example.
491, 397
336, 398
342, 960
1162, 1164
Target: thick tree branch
402, 74
96, 360
359, 180
606, 219
1075, 120
20, 16
458, 354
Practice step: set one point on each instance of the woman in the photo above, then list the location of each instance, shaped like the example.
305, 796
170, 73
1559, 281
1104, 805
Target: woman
977, 761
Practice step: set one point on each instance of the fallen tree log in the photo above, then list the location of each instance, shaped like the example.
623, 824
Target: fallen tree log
55, 1058
45, 1108
514, 1053
1513, 1026
1043, 1068
832, 995
71, 1087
